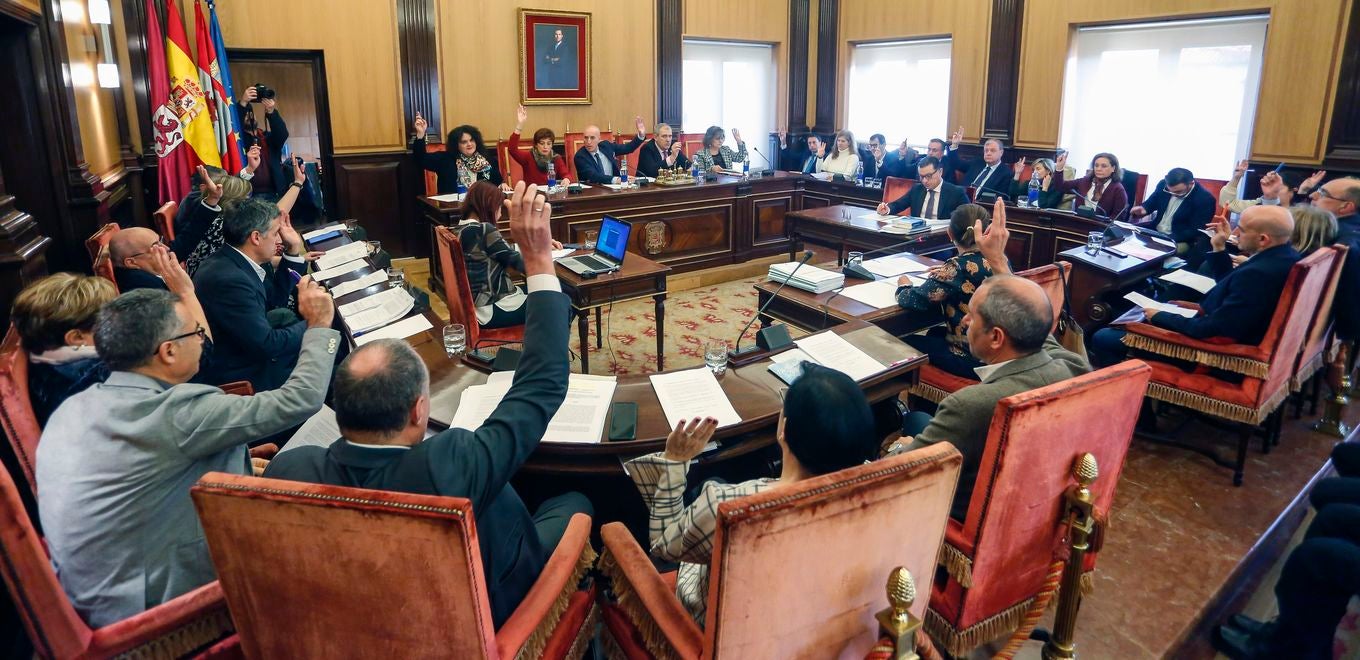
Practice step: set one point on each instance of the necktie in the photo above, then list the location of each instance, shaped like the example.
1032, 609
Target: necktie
983, 176
599, 160
930, 205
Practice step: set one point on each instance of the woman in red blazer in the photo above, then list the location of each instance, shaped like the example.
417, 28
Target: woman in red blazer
535, 162
1099, 188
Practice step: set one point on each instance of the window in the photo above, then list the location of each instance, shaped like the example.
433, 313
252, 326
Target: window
899, 89
730, 85
1164, 95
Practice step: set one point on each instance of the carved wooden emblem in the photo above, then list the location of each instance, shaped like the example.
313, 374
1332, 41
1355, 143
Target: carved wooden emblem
656, 236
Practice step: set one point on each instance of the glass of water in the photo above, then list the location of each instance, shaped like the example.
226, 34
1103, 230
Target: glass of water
854, 258
1094, 241
351, 225
374, 247
455, 339
396, 278
715, 356
591, 236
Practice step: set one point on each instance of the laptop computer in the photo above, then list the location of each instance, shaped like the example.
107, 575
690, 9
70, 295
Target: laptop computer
609, 250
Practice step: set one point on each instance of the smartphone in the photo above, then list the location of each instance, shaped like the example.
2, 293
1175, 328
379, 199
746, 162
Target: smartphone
622, 421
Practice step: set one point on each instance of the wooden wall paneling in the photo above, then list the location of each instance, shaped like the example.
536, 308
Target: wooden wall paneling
1003, 69
799, 11
767, 218
670, 28
1299, 73
1343, 142
828, 80
378, 189
420, 64
295, 93
23, 251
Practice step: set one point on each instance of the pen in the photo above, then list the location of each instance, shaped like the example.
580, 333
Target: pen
1116, 253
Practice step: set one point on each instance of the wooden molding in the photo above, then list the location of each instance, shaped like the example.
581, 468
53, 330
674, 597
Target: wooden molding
1003, 69
419, 65
1343, 142
670, 28
799, 23
828, 47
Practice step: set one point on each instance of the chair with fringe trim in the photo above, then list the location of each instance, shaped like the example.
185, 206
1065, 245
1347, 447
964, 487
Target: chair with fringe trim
935, 384
367, 573
775, 594
1265, 368
1003, 561
176, 628
1318, 343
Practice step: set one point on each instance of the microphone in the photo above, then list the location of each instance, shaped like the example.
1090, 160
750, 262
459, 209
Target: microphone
768, 164
737, 350
857, 270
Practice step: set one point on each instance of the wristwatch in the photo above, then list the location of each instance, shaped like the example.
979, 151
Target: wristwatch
295, 184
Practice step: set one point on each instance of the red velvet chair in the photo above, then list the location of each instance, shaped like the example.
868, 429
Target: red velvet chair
775, 593
935, 384
367, 573
16, 408
571, 142
432, 179
1213, 186
458, 295
164, 219
172, 629
895, 187
98, 247
1002, 559
1265, 368
1319, 337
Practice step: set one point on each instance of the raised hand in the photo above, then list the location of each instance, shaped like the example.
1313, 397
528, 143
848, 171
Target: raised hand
212, 193
992, 243
1019, 167
1060, 163
902, 149
641, 127
1221, 233
821, 149
530, 217
299, 171
736, 135
164, 264
1239, 170
420, 125
292, 240
521, 116
315, 306
1312, 182
956, 138
783, 138
689, 439
248, 95
253, 159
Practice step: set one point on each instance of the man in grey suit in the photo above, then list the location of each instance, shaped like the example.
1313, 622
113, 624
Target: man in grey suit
1008, 323
116, 461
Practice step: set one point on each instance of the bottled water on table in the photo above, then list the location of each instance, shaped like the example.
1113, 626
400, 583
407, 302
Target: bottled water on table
552, 177
1034, 186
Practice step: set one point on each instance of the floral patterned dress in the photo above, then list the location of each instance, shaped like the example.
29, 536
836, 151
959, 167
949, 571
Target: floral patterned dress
946, 293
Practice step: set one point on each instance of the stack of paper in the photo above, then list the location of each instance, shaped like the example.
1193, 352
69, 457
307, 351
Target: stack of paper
399, 330
343, 254
336, 271
880, 294
316, 233
894, 265
1195, 281
692, 393
1141, 301
1136, 249
831, 350
344, 288
376, 310
448, 198
808, 278
580, 418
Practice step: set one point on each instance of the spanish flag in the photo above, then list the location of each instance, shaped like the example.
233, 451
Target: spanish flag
187, 96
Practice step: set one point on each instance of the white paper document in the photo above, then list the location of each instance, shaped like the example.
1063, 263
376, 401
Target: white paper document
346, 288
455, 197
1136, 249
342, 269
881, 294
832, 350
1143, 302
580, 418
556, 254
319, 431
343, 254
399, 330
376, 310
874, 215
692, 393
894, 265
339, 226
791, 355
1195, 281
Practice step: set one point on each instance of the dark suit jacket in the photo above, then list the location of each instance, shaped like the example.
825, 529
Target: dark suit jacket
964, 417
649, 159
134, 278
236, 302
1240, 305
1195, 211
892, 166
794, 158
445, 166
477, 464
999, 180
951, 197
1347, 309
588, 171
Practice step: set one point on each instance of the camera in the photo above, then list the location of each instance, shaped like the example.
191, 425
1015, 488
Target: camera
263, 92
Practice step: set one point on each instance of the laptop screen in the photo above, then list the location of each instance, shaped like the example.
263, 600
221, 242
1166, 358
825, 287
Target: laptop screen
613, 241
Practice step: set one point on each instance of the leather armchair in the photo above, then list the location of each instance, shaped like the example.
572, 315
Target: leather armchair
1266, 368
1003, 559
775, 594
935, 384
366, 573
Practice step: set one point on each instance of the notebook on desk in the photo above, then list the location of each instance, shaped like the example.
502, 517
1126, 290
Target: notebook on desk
609, 250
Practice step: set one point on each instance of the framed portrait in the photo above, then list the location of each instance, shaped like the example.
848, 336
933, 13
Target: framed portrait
554, 57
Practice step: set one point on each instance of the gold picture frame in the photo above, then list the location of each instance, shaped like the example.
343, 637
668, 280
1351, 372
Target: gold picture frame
554, 57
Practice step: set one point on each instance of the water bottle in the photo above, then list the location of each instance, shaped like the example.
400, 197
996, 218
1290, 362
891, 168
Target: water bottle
623, 171
859, 174
552, 177
694, 169
1034, 186
746, 168
462, 188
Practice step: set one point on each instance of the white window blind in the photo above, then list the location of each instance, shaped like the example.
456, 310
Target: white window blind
899, 89
731, 85
1164, 95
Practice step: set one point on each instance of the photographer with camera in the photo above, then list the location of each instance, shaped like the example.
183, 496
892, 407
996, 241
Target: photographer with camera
270, 136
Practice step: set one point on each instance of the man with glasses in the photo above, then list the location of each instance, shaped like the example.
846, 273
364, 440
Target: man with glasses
1182, 207
116, 461
1342, 198
880, 164
932, 199
130, 251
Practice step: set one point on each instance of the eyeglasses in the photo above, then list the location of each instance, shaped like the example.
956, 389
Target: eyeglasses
149, 248
198, 330
1322, 192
